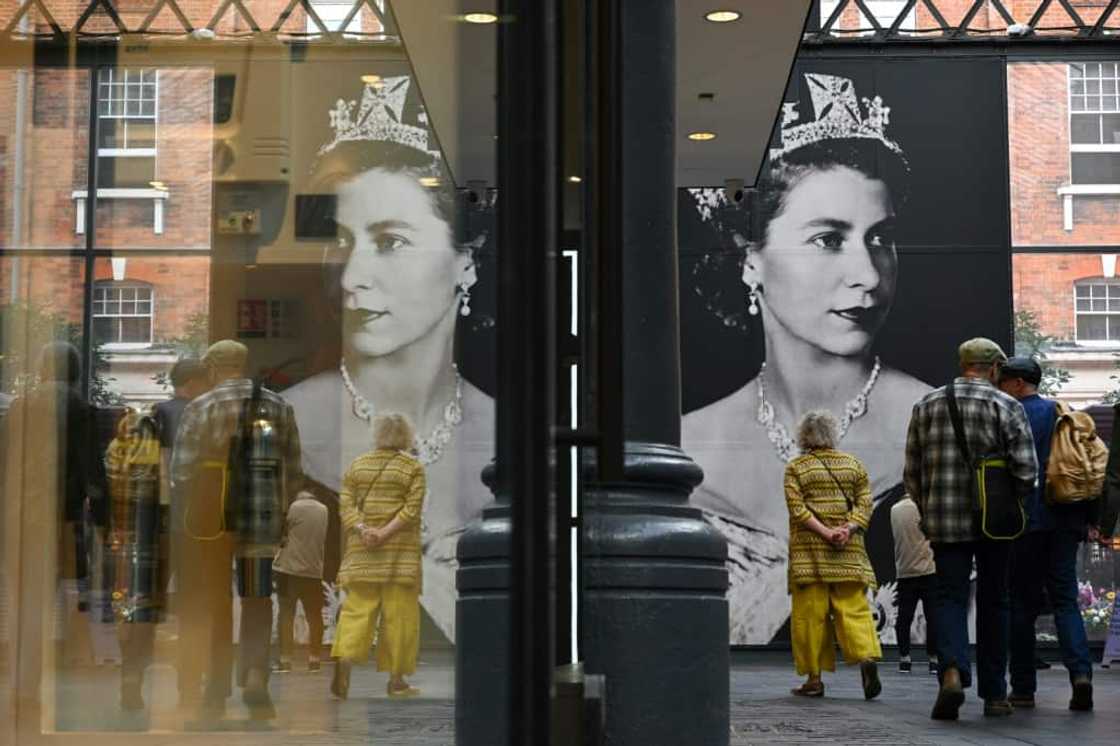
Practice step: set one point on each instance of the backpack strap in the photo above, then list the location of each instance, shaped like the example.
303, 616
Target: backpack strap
958, 423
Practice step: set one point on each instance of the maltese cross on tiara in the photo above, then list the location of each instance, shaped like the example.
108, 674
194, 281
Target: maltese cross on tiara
379, 117
838, 116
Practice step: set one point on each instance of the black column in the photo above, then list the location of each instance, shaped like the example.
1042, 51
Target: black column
504, 619
655, 611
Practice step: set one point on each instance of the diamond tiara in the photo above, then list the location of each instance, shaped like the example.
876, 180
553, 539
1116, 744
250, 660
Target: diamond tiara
839, 116
379, 117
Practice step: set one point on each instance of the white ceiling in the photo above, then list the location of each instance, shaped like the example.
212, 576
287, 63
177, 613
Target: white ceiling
745, 64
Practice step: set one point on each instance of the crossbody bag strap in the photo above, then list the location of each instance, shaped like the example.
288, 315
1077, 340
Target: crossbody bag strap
847, 500
361, 506
958, 423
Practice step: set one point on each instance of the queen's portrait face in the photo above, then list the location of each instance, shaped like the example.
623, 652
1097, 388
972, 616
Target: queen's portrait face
401, 268
828, 267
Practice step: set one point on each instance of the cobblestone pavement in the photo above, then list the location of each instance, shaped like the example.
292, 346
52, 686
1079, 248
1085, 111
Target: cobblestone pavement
762, 710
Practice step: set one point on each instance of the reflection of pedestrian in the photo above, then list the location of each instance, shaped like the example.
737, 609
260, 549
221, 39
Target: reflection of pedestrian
299, 576
402, 270
235, 464
1045, 558
381, 503
829, 502
938, 477
133, 548
819, 269
54, 469
914, 569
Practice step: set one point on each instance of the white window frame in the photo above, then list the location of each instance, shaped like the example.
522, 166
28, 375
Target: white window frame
333, 12
110, 285
1108, 282
885, 12
1068, 191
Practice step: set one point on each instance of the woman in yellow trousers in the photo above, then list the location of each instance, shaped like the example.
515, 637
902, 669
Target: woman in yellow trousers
829, 499
380, 504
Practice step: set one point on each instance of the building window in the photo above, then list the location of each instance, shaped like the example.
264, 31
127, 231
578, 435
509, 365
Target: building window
1094, 122
1097, 307
122, 314
126, 108
884, 11
332, 13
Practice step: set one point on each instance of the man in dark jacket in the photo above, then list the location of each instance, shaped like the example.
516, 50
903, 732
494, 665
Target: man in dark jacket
1045, 557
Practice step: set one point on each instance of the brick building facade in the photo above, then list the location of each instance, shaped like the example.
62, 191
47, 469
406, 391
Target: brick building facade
155, 190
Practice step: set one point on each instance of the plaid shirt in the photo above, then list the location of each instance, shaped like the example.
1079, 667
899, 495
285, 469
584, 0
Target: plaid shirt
936, 475
206, 428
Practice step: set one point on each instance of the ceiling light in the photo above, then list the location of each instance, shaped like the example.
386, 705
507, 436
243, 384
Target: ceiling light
722, 16
158, 185
701, 136
371, 79
480, 18
429, 181
574, 179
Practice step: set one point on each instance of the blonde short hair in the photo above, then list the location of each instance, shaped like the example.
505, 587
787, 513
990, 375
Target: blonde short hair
817, 429
392, 432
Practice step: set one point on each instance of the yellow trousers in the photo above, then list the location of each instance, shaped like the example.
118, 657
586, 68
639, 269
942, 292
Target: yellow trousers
390, 609
814, 634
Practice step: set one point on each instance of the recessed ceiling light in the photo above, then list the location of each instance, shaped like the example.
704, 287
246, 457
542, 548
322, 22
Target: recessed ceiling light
574, 179
722, 16
480, 18
701, 136
429, 181
371, 79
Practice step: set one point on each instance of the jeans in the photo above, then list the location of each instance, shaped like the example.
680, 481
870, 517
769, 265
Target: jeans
1046, 559
910, 591
954, 566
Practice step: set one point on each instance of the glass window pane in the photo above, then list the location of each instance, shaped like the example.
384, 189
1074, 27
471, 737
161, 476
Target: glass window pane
1082, 291
1092, 328
1078, 103
1108, 69
1092, 69
1076, 70
136, 330
1085, 129
1092, 86
1077, 86
1110, 128
1082, 304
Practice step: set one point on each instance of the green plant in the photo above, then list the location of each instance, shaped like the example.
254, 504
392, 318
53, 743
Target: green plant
191, 343
1031, 341
27, 328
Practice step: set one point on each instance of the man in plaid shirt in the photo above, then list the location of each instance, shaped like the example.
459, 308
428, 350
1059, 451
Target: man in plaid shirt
939, 479
200, 482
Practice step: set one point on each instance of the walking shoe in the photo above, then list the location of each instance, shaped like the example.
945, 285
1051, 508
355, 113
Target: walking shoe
997, 708
904, 665
950, 696
813, 689
869, 672
1082, 700
1021, 701
282, 666
256, 697
340, 682
933, 667
313, 664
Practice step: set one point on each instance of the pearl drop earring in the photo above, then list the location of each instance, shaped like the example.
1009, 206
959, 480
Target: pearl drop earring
464, 299
752, 295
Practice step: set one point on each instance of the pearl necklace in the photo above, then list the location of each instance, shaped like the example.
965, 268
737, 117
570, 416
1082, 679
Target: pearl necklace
780, 438
429, 449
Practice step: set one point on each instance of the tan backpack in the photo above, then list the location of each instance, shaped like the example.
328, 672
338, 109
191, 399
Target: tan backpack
1078, 457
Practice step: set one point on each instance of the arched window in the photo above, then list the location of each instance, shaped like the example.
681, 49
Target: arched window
1097, 308
122, 314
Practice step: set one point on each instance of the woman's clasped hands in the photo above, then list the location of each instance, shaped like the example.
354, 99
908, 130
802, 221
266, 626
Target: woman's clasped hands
372, 537
838, 536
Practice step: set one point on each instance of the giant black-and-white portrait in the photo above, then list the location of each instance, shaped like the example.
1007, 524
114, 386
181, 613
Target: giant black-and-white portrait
842, 281
399, 271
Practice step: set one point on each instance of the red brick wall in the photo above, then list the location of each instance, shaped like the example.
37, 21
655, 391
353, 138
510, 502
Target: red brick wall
1043, 284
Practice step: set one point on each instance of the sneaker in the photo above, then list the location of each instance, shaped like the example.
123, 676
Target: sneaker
997, 708
950, 696
282, 667
313, 664
904, 665
1021, 701
1082, 700
933, 668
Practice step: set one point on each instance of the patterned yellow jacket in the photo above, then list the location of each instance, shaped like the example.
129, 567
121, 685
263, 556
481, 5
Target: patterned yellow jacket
377, 487
812, 491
